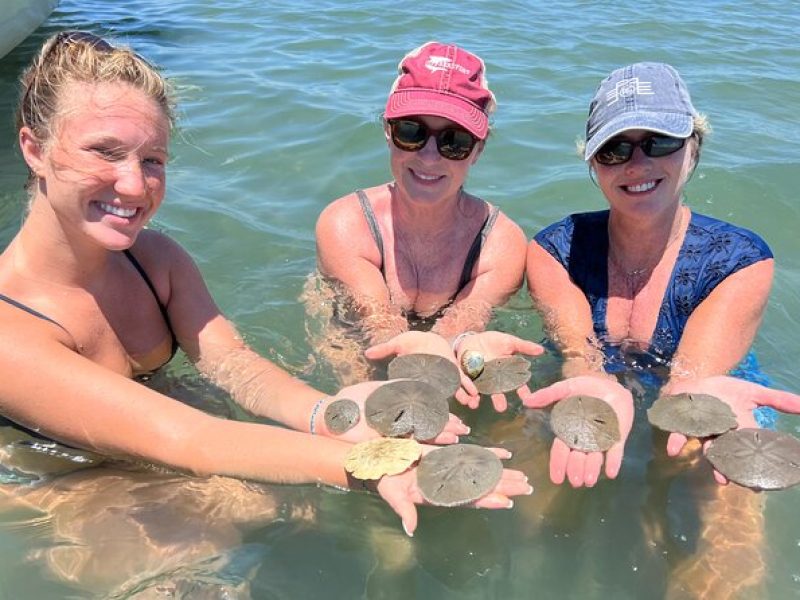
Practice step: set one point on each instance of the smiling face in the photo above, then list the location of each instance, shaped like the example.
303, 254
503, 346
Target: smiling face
103, 172
646, 185
425, 176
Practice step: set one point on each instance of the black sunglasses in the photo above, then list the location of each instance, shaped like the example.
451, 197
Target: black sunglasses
453, 143
619, 150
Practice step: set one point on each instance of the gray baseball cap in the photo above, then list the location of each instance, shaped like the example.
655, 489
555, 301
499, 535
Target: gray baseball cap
644, 95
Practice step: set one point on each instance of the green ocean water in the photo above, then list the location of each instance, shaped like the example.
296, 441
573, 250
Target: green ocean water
279, 114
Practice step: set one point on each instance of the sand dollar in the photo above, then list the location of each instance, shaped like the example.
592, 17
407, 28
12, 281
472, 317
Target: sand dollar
384, 456
406, 406
503, 375
430, 368
458, 474
341, 415
757, 458
693, 415
585, 423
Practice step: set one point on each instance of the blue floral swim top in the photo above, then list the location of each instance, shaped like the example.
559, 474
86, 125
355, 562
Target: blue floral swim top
712, 250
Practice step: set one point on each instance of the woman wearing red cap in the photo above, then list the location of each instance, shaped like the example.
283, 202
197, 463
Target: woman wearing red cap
419, 252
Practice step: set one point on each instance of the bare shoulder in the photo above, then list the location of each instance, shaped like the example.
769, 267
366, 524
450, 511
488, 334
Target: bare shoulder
345, 213
344, 231
506, 238
537, 254
23, 333
167, 264
157, 251
508, 227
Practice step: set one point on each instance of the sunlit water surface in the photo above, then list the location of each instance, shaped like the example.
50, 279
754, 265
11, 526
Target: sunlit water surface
280, 105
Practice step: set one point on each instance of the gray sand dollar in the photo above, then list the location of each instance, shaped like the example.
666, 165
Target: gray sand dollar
458, 474
585, 423
503, 375
757, 458
406, 406
341, 415
693, 415
430, 368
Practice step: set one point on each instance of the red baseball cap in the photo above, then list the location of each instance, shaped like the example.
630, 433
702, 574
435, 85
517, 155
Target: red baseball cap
443, 80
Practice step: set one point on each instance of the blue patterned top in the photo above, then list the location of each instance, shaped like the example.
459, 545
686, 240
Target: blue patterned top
712, 250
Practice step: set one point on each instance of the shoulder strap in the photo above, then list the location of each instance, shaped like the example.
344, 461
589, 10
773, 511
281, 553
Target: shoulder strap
32, 311
150, 285
372, 222
475, 248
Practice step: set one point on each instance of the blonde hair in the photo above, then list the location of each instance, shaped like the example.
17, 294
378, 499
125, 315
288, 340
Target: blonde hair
82, 57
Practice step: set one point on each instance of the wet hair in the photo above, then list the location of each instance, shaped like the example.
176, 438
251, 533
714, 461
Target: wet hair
81, 57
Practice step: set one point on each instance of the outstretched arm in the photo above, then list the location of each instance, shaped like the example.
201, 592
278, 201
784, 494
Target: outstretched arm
722, 328
568, 319
565, 311
581, 468
742, 396
48, 387
720, 331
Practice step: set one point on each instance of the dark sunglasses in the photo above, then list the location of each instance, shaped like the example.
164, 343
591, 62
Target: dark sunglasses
619, 150
453, 143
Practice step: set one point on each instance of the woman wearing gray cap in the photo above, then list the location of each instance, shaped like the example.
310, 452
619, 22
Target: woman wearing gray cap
648, 279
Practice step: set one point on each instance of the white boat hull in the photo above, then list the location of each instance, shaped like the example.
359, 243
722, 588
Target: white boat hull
20, 19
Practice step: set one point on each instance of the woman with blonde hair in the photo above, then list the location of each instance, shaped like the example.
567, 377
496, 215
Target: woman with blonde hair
90, 298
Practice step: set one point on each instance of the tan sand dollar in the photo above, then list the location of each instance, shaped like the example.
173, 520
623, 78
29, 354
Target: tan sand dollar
383, 456
342, 415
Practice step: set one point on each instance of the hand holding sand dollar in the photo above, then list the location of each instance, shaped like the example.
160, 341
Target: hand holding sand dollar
585, 423
492, 359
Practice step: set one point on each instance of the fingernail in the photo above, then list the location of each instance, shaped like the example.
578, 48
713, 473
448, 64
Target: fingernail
530, 490
510, 504
468, 430
408, 533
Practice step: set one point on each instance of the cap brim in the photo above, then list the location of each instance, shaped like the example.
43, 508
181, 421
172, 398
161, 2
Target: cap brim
672, 124
406, 103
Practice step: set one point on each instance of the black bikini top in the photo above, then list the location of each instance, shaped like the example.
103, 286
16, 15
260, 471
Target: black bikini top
466, 271
149, 283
